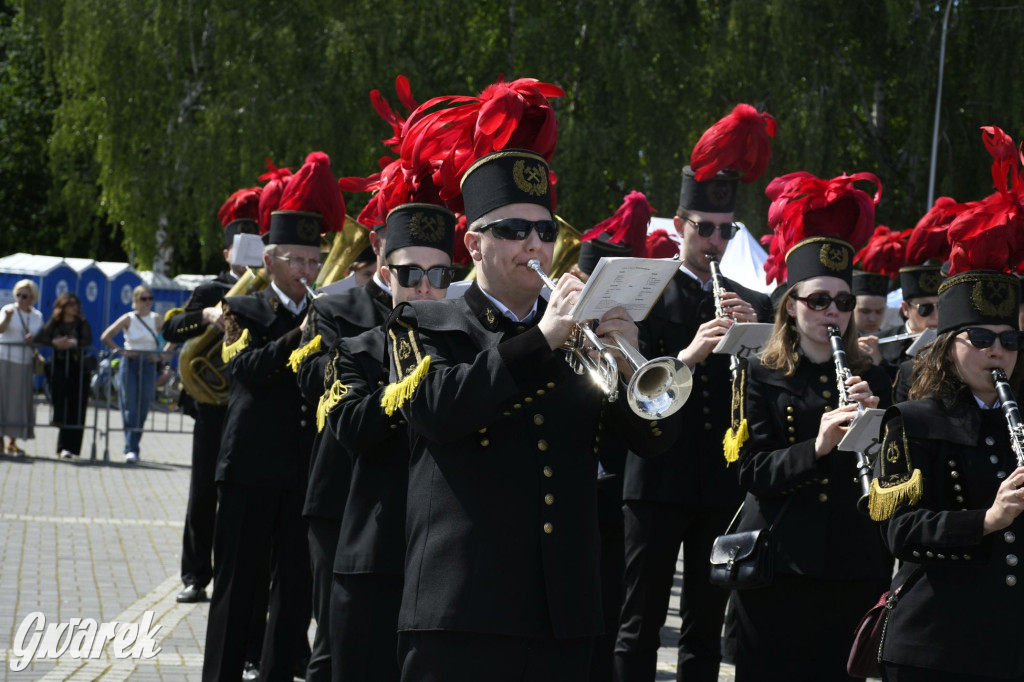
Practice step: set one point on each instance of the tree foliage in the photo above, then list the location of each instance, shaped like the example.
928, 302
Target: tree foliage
136, 118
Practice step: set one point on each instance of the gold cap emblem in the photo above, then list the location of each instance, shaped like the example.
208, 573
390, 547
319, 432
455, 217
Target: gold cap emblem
834, 257
992, 299
532, 179
426, 228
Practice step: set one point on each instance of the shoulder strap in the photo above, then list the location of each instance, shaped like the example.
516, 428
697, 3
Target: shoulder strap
736, 516
148, 329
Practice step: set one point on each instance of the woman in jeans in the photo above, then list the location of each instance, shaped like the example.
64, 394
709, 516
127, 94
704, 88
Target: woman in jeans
19, 322
137, 375
69, 333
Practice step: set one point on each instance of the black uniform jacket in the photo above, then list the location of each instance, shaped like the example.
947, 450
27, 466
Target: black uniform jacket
820, 533
694, 471
334, 317
269, 429
502, 522
963, 613
372, 537
189, 323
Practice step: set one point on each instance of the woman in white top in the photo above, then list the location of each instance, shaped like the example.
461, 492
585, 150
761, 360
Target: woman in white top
137, 375
19, 322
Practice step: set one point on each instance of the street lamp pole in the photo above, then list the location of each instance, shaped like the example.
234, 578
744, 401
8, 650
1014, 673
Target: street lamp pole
938, 108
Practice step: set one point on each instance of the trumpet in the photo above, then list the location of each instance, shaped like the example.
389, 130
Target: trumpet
1012, 413
865, 471
309, 289
659, 387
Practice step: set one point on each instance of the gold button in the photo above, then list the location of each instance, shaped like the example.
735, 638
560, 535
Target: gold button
826, 394
707, 410
548, 528
789, 409
538, 419
484, 442
822, 497
549, 472
507, 414
540, 391
789, 418
516, 406
656, 432
823, 379
595, 451
542, 445
549, 499
824, 481
551, 384
705, 394
527, 399
792, 440
483, 430
704, 378
654, 422
394, 426
791, 429
707, 426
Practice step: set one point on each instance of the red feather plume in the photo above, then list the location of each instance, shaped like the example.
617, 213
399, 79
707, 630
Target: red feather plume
270, 198
628, 225
243, 204
930, 237
661, 245
314, 189
885, 252
737, 142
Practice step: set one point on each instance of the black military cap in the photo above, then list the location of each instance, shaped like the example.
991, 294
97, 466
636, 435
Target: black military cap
512, 176
717, 195
978, 297
593, 250
869, 284
240, 226
820, 257
419, 224
295, 227
920, 280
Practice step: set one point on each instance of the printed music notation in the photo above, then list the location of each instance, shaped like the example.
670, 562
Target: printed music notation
745, 339
632, 283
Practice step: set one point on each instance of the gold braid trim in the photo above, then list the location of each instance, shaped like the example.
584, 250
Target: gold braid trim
171, 313
299, 354
739, 432
884, 501
328, 401
230, 350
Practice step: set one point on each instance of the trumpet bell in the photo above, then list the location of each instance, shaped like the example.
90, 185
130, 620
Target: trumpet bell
659, 388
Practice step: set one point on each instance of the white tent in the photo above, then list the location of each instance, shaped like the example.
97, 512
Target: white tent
744, 258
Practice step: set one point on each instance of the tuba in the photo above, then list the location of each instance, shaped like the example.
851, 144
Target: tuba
200, 364
345, 248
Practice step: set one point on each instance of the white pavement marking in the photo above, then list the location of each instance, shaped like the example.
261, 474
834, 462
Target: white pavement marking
91, 520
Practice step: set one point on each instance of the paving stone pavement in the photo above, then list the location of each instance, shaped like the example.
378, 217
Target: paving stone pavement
102, 540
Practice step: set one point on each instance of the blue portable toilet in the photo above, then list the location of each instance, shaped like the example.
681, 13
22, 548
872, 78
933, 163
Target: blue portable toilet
121, 279
92, 292
167, 293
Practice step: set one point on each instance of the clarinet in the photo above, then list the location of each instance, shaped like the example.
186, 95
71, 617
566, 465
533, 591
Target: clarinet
865, 471
1011, 412
718, 291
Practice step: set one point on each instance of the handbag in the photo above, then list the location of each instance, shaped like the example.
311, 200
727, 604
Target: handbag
744, 561
869, 637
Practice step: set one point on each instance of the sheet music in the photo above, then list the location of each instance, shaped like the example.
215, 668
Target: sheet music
745, 339
247, 250
863, 435
633, 283
920, 342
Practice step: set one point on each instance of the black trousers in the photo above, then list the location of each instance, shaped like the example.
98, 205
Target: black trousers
323, 542
444, 656
364, 627
612, 566
259, 538
197, 540
654, 533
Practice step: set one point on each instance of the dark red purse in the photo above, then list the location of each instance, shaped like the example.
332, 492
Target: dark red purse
869, 637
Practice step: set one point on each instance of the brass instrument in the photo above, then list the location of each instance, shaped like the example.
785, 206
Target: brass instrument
865, 471
659, 387
200, 363
345, 248
1012, 413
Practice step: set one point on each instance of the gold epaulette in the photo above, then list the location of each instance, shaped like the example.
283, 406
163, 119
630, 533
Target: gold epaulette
171, 313
739, 432
328, 401
410, 366
299, 354
230, 350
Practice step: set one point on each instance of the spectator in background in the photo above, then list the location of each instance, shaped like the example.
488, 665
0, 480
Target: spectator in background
19, 322
69, 333
137, 376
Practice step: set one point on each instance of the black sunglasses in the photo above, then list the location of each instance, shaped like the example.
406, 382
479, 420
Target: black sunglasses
439, 276
984, 338
845, 302
925, 309
518, 229
705, 228
22, 296
145, 298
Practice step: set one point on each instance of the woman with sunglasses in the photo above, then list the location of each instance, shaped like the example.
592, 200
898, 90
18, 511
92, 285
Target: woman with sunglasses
69, 333
829, 561
950, 495
137, 374
19, 323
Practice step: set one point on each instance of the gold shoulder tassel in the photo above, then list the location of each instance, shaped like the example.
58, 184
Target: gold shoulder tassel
172, 312
737, 434
230, 350
299, 354
396, 394
883, 501
328, 401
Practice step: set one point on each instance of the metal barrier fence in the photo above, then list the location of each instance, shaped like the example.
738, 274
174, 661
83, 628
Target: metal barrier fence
84, 392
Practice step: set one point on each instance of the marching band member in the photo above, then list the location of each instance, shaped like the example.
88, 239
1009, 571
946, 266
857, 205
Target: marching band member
501, 567
687, 496
949, 488
829, 560
268, 432
367, 588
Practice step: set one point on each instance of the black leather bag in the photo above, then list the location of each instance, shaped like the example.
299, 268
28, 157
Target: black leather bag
743, 561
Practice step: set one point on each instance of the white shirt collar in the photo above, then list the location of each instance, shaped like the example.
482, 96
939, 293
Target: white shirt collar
503, 309
706, 286
380, 282
288, 303
996, 405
